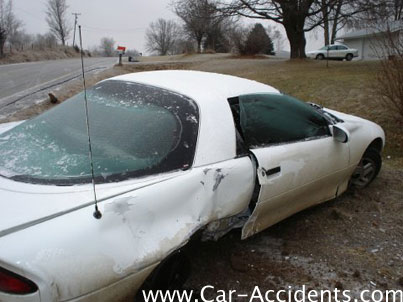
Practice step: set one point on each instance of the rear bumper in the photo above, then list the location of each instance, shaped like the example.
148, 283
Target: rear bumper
123, 290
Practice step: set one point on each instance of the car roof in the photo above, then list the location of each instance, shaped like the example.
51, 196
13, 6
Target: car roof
216, 141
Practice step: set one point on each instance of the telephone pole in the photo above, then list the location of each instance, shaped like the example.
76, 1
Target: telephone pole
75, 25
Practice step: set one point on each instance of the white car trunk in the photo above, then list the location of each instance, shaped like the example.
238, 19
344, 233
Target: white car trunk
23, 205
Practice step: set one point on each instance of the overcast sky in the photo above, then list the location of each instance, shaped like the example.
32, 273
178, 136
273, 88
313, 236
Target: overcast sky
123, 20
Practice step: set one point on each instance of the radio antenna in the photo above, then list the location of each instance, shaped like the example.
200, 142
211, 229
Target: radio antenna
97, 213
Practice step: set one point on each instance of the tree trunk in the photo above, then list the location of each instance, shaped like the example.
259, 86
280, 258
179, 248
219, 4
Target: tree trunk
297, 42
336, 20
199, 42
294, 22
325, 21
2, 42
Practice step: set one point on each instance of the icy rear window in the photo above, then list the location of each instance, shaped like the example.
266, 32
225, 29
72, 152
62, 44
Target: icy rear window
136, 130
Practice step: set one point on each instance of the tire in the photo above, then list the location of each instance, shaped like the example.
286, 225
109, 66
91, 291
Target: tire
367, 169
349, 57
320, 57
170, 275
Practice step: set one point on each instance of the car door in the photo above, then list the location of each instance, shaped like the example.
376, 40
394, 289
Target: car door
298, 162
342, 51
333, 52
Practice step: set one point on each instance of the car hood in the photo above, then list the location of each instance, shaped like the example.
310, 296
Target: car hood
23, 205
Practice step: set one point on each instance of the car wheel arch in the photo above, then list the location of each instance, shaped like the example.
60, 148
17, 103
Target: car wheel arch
166, 275
372, 154
349, 56
376, 144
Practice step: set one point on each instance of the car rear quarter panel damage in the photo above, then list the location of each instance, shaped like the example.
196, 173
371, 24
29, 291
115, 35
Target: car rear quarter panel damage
76, 255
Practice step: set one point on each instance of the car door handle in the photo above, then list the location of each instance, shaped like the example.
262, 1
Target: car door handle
270, 172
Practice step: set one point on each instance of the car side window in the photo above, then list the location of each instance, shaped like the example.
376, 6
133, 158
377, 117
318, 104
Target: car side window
266, 119
333, 47
341, 47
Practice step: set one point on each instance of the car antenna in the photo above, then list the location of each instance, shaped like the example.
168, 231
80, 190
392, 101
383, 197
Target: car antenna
97, 213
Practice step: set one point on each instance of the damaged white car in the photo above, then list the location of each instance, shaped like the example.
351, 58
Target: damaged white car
174, 153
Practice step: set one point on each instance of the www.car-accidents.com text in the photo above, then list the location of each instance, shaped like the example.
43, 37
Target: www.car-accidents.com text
292, 294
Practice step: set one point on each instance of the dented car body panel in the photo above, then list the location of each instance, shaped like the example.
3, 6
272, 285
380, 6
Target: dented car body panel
48, 233
299, 181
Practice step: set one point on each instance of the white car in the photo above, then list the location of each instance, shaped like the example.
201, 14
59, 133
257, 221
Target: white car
174, 153
333, 52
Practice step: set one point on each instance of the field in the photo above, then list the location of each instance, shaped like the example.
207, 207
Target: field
354, 242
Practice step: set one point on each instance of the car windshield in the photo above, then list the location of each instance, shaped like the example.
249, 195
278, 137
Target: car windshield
136, 130
324, 48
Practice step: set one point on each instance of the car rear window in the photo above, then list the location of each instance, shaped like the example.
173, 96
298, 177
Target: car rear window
136, 130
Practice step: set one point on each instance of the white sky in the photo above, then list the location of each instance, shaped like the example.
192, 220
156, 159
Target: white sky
123, 20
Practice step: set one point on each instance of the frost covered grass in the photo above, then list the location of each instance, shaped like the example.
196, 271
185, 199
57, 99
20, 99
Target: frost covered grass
344, 86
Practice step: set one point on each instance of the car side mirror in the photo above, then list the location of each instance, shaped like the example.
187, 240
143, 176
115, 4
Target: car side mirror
340, 134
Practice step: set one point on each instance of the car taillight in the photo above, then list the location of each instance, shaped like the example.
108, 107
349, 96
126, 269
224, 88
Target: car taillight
12, 283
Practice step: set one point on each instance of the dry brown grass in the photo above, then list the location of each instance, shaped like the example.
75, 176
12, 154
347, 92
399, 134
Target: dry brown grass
39, 55
345, 86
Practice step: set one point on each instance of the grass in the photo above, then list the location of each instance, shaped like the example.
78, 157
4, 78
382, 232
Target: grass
344, 86
32, 55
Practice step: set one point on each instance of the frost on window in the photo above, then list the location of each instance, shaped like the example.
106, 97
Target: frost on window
276, 118
136, 130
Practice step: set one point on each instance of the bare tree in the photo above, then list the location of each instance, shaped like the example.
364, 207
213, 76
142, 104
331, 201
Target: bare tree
218, 35
20, 39
107, 46
390, 77
239, 36
291, 14
184, 44
161, 36
297, 16
379, 12
336, 14
57, 20
199, 17
8, 23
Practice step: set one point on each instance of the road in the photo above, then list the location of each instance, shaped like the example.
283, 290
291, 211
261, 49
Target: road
19, 81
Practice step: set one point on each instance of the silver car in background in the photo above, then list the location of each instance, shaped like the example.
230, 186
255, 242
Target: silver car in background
333, 52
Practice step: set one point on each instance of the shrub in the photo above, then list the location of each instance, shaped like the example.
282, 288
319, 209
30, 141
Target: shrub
390, 76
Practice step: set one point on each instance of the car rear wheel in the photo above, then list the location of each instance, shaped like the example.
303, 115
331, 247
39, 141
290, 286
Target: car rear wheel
349, 57
320, 57
367, 169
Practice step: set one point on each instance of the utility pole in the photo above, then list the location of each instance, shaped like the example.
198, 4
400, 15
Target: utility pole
75, 25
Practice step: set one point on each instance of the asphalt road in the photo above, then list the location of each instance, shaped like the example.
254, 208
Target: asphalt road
21, 80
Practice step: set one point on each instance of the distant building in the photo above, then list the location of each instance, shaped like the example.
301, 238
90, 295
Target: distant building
368, 41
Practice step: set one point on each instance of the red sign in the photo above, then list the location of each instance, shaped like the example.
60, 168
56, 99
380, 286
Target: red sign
121, 48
